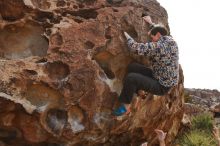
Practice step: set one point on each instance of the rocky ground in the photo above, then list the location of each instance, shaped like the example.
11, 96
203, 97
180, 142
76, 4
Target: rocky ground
203, 100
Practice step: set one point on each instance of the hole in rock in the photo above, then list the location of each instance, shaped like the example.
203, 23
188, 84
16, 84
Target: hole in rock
56, 39
56, 20
170, 105
46, 25
108, 36
89, 45
43, 60
43, 16
77, 20
61, 3
103, 59
12, 10
19, 41
42, 96
57, 70
75, 6
89, 2
56, 120
30, 72
85, 13
7, 134
48, 32
131, 31
115, 10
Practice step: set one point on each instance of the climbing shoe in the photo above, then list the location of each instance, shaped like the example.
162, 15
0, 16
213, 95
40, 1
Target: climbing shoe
120, 111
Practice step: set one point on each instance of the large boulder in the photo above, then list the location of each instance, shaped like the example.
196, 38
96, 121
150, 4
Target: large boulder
62, 66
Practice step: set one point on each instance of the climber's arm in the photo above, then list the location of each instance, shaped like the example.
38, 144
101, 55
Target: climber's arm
161, 136
149, 21
147, 49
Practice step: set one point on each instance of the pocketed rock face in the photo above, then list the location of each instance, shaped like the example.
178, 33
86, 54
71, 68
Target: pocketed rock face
12, 10
62, 65
25, 40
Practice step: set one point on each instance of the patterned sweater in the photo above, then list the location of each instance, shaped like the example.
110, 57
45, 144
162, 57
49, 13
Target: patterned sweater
164, 54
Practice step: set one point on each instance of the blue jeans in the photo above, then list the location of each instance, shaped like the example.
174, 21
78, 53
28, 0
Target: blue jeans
140, 77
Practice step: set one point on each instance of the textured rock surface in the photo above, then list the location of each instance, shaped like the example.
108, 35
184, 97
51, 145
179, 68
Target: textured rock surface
12, 10
61, 67
204, 98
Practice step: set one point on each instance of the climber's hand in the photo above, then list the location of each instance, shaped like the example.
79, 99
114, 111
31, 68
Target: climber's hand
160, 134
147, 19
127, 35
216, 133
144, 144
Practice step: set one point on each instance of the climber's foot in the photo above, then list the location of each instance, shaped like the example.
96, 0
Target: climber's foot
122, 110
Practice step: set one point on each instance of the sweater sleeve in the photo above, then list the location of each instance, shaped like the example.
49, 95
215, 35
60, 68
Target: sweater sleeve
147, 49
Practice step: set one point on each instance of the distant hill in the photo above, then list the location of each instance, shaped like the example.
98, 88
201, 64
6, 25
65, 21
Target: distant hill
204, 98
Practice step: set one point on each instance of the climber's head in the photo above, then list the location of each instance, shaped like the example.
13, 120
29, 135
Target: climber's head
156, 32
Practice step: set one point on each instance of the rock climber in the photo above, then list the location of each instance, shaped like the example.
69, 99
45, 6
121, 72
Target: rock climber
164, 71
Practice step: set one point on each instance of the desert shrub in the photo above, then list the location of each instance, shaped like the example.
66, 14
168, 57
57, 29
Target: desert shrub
197, 138
200, 133
203, 122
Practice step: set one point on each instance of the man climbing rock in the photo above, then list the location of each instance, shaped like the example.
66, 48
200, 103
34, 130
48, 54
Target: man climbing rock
164, 71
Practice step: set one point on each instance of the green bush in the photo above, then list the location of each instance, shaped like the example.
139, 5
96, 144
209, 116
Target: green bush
203, 122
200, 133
197, 138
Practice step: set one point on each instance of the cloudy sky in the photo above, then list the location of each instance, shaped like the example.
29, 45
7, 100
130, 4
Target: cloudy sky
195, 24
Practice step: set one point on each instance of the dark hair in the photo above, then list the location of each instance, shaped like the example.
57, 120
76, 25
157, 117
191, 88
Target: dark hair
158, 28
